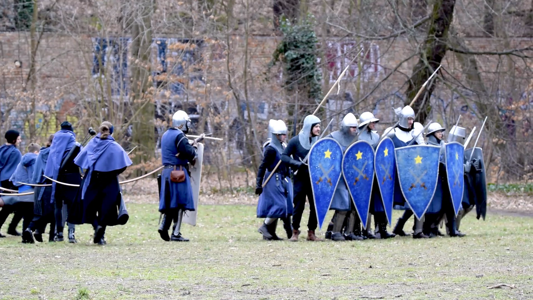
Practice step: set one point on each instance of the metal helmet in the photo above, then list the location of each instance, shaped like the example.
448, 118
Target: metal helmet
367, 118
434, 127
179, 119
277, 127
404, 114
349, 121
456, 134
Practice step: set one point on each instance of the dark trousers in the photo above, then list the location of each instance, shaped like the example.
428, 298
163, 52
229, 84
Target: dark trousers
302, 189
6, 211
61, 213
39, 223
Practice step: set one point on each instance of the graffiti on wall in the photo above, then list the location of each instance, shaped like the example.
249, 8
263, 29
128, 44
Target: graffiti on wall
111, 55
339, 55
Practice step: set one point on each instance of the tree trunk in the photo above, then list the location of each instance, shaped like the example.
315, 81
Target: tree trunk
143, 123
433, 51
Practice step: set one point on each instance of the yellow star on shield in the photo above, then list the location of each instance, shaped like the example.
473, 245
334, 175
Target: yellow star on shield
418, 160
456, 156
359, 155
386, 151
327, 154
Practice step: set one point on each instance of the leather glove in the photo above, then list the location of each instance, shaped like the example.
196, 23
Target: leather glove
477, 164
258, 190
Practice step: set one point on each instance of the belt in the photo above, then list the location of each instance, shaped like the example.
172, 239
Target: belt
172, 166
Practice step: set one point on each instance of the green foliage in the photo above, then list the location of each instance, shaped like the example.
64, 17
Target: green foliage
298, 53
83, 294
512, 188
24, 16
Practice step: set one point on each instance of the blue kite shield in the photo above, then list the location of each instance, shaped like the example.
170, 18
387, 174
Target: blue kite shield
418, 171
325, 159
385, 165
358, 171
455, 173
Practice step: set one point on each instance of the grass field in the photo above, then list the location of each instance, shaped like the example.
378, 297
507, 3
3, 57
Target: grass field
226, 259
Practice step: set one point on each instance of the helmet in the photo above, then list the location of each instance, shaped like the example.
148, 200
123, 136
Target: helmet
367, 118
179, 119
434, 127
456, 133
277, 127
404, 114
349, 121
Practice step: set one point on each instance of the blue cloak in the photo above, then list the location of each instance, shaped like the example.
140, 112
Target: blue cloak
102, 155
276, 199
24, 171
42, 205
63, 141
9, 159
175, 195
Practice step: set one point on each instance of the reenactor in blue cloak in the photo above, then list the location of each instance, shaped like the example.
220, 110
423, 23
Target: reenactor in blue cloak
60, 166
23, 173
275, 198
402, 135
43, 208
10, 157
99, 199
475, 190
342, 202
367, 133
294, 155
176, 194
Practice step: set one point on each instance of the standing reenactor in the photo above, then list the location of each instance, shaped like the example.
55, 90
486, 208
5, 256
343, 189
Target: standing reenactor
23, 174
403, 135
60, 166
367, 133
176, 194
275, 199
99, 199
342, 202
10, 157
294, 155
43, 209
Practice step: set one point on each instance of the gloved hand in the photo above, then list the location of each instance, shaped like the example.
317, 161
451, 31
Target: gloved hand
477, 164
258, 190
467, 166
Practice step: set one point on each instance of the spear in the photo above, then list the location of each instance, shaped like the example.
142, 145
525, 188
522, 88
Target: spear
412, 102
336, 82
469, 137
424, 86
468, 163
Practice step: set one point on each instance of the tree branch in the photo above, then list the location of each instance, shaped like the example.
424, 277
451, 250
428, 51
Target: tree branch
513, 52
382, 37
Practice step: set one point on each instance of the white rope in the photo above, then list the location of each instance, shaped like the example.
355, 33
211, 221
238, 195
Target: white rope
62, 183
141, 177
35, 184
121, 182
8, 190
16, 194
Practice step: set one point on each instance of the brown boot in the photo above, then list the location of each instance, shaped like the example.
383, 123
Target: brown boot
295, 234
311, 236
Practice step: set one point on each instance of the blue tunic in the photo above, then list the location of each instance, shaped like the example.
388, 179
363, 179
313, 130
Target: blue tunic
175, 195
63, 141
42, 204
441, 191
341, 199
24, 171
399, 200
276, 199
9, 159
